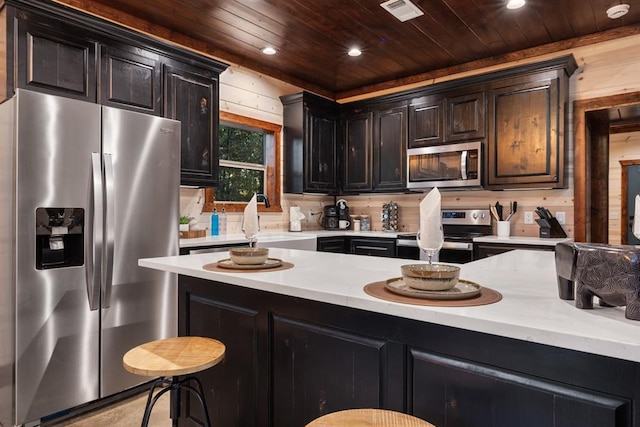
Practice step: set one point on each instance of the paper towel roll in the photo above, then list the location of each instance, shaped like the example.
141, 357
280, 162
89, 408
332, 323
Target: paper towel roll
295, 214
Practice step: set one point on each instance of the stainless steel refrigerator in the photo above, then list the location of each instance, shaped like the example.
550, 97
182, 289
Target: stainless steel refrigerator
85, 191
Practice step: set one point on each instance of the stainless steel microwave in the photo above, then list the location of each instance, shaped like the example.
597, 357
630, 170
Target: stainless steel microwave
449, 165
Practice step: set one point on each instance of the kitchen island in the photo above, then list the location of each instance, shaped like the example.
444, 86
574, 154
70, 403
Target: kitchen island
308, 340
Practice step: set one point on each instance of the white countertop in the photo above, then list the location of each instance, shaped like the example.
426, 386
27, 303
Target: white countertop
230, 239
521, 240
530, 309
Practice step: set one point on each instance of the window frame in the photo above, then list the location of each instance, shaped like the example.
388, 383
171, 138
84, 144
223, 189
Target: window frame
272, 162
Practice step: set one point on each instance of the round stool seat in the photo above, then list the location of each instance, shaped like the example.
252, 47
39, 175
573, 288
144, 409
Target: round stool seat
173, 356
368, 418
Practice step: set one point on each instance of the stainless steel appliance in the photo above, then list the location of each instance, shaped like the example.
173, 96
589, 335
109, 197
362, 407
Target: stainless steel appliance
459, 227
449, 165
85, 191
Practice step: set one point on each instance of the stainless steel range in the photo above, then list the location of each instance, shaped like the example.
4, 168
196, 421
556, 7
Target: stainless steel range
460, 227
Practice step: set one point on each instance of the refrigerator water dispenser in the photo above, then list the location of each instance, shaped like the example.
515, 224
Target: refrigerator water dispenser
59, 237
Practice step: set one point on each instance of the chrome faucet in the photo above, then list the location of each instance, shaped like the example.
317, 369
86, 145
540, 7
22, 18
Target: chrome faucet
265, 198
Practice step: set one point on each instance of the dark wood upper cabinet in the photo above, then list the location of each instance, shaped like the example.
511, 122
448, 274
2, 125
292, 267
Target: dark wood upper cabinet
131, 78
426, 121
55, 58
526, 128
310, 144
390, 148
465, 117
526, 138
358, 147
446, 117
191, 96
54, 49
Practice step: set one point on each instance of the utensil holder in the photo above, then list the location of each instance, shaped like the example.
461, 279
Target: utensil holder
504, 228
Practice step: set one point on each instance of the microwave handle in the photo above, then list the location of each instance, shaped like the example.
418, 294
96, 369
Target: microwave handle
463, 164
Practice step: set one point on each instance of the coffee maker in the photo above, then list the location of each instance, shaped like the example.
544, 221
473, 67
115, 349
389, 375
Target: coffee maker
330, 217
343, 209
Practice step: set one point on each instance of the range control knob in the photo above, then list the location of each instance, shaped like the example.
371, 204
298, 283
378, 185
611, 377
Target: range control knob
474, 215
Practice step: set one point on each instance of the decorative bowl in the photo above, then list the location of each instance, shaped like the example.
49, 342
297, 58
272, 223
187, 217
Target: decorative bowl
430, 277
245, 255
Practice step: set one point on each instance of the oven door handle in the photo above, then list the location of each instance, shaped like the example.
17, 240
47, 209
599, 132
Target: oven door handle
463, 164
460, 246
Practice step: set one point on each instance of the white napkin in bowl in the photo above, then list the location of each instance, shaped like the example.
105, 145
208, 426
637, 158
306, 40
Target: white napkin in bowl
250, 220
431, 221
636, 218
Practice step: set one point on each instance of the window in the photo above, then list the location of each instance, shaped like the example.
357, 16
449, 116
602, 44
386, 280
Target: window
242, 168
249, 152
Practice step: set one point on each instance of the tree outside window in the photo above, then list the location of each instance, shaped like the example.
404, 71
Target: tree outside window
242, 162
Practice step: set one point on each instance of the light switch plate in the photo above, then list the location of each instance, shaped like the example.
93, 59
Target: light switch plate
560, 217
528, 217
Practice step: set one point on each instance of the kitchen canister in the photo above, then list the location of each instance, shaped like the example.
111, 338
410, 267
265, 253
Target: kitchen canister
365, 223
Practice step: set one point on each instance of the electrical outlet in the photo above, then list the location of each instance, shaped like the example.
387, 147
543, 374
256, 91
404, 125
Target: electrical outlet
560, 217
528, 217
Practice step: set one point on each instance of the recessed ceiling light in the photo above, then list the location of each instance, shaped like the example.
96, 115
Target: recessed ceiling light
269, 50
515, 4
615, 12
354, 51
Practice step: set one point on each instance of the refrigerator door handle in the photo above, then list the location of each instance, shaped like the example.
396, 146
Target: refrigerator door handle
94, 264
109, 230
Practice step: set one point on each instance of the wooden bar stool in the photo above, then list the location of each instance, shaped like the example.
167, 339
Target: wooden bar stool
174, 360
368, 418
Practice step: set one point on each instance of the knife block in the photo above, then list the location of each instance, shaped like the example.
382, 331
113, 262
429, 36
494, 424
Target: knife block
551, 228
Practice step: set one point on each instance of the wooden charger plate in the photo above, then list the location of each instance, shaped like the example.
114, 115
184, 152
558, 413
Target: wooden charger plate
269, 263
379, 290
276, 265
462, 290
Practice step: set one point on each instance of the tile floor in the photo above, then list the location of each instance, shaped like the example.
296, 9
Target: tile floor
127, 413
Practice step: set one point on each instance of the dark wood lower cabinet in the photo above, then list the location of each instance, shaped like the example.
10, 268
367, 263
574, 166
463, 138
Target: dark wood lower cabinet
232, 388
484, 250
291, 360
453, 392
373, 247
337, 244
334, 369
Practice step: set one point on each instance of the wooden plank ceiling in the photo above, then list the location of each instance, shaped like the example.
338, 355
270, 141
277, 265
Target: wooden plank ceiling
312, 37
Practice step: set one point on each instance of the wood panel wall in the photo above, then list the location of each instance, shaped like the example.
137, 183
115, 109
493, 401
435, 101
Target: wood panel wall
604, 69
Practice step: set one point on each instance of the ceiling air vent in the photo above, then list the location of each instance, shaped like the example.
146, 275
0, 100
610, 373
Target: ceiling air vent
402, 9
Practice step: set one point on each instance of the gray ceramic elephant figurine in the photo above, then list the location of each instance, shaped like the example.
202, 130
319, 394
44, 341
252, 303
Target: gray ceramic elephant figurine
612, 273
